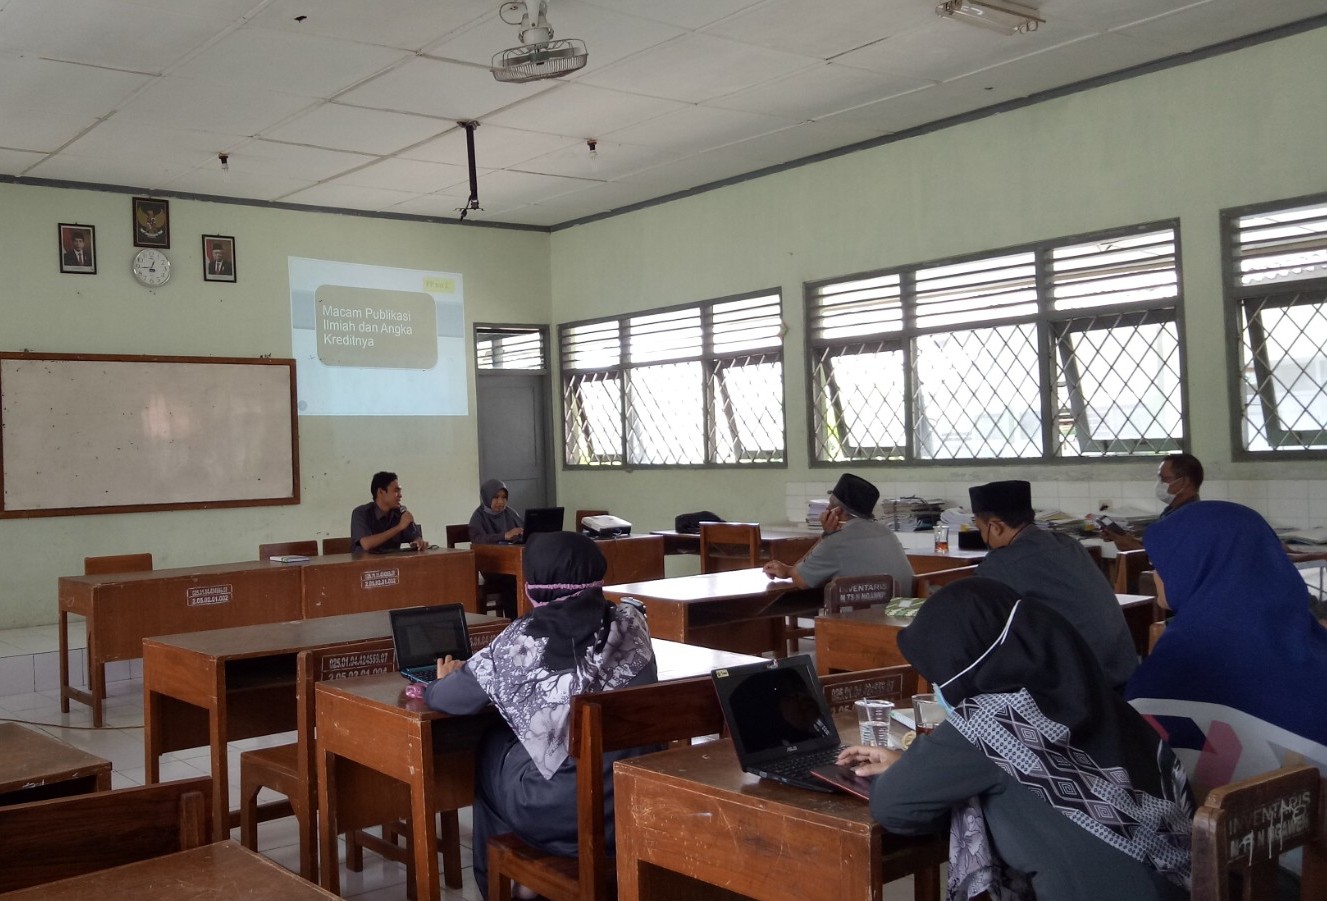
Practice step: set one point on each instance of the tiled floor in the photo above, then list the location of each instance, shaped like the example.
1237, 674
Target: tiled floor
29, 693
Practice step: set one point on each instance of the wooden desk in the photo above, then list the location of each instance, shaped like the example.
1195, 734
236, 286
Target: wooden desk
630, 559
786, 544
209, 688
692, 812
862, 639
34, 767
931, 561
367, 728
739, 610
222, 871
353, 583
121, 609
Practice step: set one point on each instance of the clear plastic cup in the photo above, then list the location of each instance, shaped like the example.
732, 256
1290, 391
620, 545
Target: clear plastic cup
873, 716
926, 713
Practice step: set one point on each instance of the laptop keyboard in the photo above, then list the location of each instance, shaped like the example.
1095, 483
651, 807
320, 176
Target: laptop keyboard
421, 673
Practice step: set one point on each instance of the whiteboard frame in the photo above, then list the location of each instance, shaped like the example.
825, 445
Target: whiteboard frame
201, 503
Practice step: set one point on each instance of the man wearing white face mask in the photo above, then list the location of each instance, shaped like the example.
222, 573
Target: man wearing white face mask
1178, 479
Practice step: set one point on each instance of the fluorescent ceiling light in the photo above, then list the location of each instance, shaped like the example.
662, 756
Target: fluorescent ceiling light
997, 15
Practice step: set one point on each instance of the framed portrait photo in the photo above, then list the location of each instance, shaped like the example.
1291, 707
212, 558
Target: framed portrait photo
218, 258
151, 222
78, 249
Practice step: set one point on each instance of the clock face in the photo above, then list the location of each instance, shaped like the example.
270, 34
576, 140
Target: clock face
151, 267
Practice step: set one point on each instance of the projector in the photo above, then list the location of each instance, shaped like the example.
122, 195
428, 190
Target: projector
605, 526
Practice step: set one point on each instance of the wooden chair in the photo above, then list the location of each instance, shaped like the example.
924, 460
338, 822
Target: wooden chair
602, 722
580, 516
42, 841
1153, 634
1242, 829
1129, 565
281, 548
457, 534
291, 769
926, 584
336, 546
889, 683
729, 545
117, 563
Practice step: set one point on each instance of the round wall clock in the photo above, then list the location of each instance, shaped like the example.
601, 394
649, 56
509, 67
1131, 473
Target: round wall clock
151, 267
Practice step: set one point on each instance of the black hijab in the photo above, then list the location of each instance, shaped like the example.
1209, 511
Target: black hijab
564, 579
1028, 692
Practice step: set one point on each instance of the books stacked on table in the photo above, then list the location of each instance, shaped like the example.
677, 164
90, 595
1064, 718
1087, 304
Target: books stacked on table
909, 514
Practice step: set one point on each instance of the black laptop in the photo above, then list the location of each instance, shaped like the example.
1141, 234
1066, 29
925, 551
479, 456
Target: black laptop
780, 723
541, 519
424, 635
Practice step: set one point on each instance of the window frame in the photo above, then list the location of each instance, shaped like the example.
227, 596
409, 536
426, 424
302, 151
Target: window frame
1052, 326
1236, 298
709, 362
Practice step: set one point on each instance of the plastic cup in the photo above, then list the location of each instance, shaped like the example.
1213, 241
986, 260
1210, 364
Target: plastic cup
926, 713
873, 717
942, 539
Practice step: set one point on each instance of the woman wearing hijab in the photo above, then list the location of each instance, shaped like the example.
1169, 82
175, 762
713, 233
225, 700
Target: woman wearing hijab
574, 641
1047, 781
493, 521
1238, 681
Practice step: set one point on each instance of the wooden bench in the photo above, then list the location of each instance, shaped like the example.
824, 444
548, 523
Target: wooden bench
42, 841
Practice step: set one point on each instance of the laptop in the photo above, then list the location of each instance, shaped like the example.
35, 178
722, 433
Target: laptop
541, 519
779, 720
424, 635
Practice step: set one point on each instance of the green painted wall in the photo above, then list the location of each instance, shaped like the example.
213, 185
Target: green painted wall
1186, 142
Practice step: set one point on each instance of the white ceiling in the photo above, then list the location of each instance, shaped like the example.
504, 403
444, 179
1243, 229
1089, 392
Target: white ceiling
356, 105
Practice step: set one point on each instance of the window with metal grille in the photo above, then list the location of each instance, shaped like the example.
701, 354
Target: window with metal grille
687, 386
1276, 279
1064, 349
510, 348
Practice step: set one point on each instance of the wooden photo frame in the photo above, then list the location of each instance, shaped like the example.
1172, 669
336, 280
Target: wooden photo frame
78, 249
151, 222
219, 263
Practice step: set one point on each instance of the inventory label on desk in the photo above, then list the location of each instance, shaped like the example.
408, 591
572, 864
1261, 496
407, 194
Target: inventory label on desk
343, 666
379, 578
209, 596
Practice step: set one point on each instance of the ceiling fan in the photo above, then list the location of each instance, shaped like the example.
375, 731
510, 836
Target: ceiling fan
540, 55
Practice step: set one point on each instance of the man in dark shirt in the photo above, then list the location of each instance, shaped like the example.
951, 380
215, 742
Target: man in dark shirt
1178, 479
384, 523
1054, 569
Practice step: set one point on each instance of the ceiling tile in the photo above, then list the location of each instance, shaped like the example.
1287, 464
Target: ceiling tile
444, 205
407, 24
941, 49
495, 147
691, 14
74, 90
116, 137
907, 111
693, 171
447, 90
580, 111
105, 33
352, 197
1105, 16
15, 162
610, 160
30, 129
352, 128
238, 182
696, 128
1086, 58
508, 188
172, 102
289, 62
696, 68
820, 29
818, 92
292, 160
1222, 20
144, 174
415, 176
805, 140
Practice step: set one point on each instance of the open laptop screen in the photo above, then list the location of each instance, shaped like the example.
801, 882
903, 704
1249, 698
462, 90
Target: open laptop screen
423, 635
543, 519
774, 708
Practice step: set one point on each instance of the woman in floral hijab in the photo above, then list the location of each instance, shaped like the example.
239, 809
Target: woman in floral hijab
573, 641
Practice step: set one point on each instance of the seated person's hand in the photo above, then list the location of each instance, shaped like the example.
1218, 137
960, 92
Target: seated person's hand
512, 534
866, 761
776, 569
831, 519
447, 666
420, 544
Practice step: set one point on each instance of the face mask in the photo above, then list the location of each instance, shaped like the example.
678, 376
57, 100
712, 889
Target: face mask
1163, 492
944, 705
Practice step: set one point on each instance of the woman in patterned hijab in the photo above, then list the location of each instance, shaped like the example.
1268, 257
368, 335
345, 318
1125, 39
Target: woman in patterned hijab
573, 641
1046, 779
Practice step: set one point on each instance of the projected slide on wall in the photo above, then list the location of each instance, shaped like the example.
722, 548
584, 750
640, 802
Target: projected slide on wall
377, 341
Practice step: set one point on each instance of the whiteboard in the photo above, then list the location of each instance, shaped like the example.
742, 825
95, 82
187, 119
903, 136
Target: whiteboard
106, 434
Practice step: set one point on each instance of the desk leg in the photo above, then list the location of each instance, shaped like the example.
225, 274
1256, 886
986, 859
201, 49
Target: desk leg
423, 842
152, 714
328, 857
64, 661
216, 731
